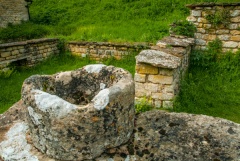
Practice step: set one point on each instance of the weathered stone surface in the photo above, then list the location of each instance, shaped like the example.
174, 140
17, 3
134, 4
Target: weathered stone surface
235, 19
235, 13
177, 136
158, 59
196, 13
175, 42
78, 114
230, 44
158, 135
16, 112
142, 68
140, 77
160, 79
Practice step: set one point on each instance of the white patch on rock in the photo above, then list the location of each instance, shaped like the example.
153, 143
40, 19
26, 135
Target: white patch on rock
102, 86
101, 100
64, 77
52, 104
94, 68
34, 116
15, 147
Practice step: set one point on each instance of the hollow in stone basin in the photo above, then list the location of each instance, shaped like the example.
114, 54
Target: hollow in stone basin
76, 115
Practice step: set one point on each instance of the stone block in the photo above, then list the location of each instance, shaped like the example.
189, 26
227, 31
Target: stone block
157, 103
211, 37
202, 20
160, 79
235, 13
230, 44
15, 52
80, 125
165, 72
5, 54
140, 78
201, 30
200, 42
151, 87
220, 32
196, 13
167, 104
233, 26
235, 32
235, 38
157, 96
224, 37
146, 69
191, 19
235, 19
207, 26
140, 90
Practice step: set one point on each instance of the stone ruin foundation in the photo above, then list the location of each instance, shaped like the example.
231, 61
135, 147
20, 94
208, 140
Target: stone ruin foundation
77, 115
159, 70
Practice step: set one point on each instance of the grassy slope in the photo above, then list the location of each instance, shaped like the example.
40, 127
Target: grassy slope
110, 20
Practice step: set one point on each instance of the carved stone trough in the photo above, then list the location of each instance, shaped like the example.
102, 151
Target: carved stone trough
76, 115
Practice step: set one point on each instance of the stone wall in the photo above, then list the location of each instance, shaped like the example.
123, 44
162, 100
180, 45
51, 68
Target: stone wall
101, 50
32, 51
13, 11
228, 32
159, 70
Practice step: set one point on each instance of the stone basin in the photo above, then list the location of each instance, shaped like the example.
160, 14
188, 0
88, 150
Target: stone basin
77, 115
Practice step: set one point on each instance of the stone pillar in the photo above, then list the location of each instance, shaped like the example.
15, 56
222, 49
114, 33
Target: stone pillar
159, 70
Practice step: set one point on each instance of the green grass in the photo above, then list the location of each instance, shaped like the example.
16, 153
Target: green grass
211, 88
106, 20
10, 84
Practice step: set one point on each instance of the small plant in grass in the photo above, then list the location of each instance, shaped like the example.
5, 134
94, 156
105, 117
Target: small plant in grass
220, 17
184, 28
144, 104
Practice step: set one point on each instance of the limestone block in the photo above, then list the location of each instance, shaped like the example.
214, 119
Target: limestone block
211, 37
158, 59
191, 19
235, 13
15, 52
160, 79
167, 104
151, 87
196, 13
233, 26
220, 32
230, 44
224, 37
157, 103
198, 35
200, 42
5, 54
11, 57
235, 38
146, 69
201, 30
140, 78
165, 72
207, 26
202, 20
77, 115
235, 19
157, 96
235, 32
140, 90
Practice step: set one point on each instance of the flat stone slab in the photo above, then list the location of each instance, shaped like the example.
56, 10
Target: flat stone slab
175, 42
158, 135
158, 59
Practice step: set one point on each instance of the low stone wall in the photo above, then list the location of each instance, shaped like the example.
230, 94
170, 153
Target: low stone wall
228, 31
13, 11
159, 70
32, 51
102, 50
